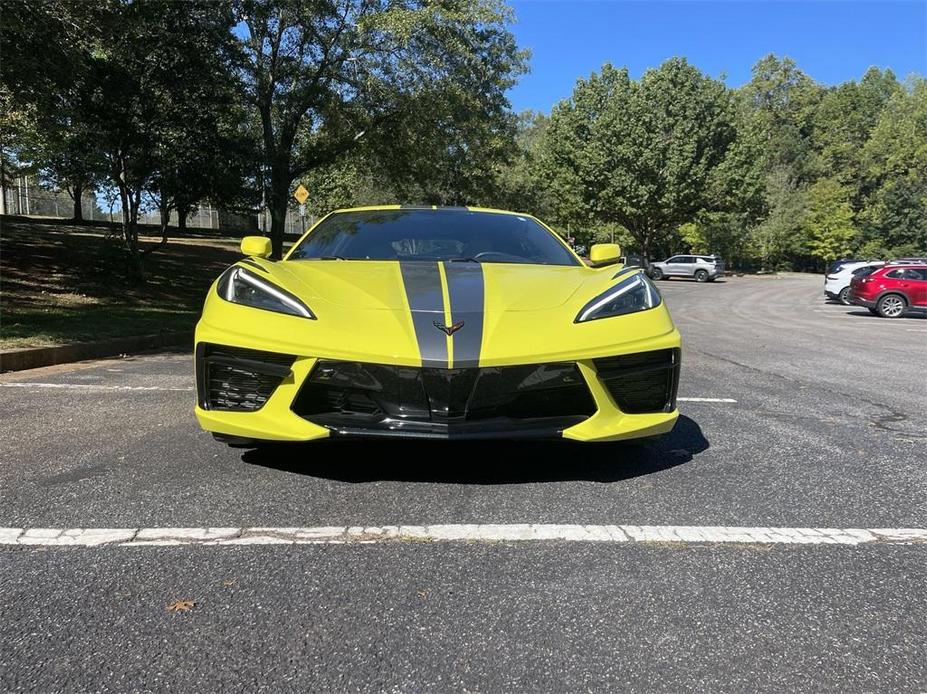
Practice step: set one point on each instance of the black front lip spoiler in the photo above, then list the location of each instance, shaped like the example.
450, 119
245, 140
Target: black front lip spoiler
542, 428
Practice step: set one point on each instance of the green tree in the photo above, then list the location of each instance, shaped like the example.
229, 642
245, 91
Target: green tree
519, 182
638, 154
775, 126
394, 76
204, 148
721, 233
44, 86
844, 121
894, 214
829, 221
781, 232
155, 71
349, 182
780, 102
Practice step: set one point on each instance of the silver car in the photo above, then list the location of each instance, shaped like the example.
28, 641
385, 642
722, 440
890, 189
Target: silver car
703, 268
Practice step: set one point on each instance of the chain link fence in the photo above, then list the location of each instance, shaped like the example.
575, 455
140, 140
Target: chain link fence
25, 196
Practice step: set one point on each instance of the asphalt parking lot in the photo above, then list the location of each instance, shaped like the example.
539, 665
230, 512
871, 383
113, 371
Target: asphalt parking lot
795, 414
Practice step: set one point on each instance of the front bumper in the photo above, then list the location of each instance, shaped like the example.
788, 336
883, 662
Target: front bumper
832, 288
300, 398
859, 301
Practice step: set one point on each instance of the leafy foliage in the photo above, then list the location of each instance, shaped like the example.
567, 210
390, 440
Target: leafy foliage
166, 104
782, 172
829, 222
418, 86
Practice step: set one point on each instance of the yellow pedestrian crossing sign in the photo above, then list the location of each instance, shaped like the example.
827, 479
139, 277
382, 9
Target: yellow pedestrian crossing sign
301, 194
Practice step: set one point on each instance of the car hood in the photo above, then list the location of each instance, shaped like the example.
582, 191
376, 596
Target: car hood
445, 315
386, 285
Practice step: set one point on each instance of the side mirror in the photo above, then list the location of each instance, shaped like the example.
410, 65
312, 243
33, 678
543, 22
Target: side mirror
604, 254
257, 246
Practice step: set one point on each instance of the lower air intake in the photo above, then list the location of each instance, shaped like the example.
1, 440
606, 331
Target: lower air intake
536, 399
643, 382
238, 380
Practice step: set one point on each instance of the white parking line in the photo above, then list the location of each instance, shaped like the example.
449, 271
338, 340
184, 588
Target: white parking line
91, 387
98, 387
705, 400
673, 534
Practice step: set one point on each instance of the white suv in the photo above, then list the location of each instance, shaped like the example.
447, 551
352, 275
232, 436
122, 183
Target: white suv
837, 280
704, 268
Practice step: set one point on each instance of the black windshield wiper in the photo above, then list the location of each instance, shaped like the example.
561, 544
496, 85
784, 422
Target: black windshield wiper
332, 257
464, 260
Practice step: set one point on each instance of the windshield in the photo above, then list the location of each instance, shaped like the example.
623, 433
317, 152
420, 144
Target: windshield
865, 271
426, 234
837, 265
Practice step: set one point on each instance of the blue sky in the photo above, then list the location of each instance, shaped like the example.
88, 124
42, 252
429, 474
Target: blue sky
831, 41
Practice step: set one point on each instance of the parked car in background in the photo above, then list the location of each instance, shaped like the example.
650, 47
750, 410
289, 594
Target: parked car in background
891, 291
909, 261
703, 268
836, 265
633, 260
837, 284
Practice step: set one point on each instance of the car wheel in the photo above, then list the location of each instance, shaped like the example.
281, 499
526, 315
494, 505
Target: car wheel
842, 296
657, 273
701, 276
891, 306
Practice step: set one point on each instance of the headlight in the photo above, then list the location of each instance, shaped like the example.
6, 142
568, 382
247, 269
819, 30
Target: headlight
242, 287
633, 294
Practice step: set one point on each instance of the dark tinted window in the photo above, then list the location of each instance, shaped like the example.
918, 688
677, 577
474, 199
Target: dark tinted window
424, 234
916, 273
865, 271
837, 264
895, 274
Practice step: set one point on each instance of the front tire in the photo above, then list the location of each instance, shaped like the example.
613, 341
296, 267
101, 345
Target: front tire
657, 273
891, 306
701, 275
842, 297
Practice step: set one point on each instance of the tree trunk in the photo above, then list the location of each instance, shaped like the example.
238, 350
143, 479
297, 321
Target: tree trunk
165, 220
277, 228
77, 191
280, 184
130, 218
181, 219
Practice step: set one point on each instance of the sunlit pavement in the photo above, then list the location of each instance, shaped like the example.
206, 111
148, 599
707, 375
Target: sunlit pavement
674, 565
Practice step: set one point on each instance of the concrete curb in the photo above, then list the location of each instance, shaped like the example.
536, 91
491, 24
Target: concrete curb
34, 357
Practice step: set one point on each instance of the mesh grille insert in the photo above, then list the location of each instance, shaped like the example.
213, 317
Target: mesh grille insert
643, 382
451, 396
232, 378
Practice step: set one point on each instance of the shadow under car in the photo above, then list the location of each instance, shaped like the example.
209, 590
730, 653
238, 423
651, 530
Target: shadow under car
482, 462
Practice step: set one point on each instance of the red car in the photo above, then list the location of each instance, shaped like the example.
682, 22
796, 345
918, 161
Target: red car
891, 291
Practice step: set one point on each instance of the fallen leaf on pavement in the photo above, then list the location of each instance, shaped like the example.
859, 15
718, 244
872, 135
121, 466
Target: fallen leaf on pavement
181, 606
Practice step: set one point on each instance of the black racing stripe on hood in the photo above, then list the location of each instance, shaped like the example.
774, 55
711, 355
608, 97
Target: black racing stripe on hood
422, 282
466, 293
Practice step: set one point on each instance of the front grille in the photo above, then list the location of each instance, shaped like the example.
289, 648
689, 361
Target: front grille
236, 379
642, 382
374, 396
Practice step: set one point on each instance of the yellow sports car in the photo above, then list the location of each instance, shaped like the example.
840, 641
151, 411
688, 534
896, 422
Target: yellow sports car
434, 323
